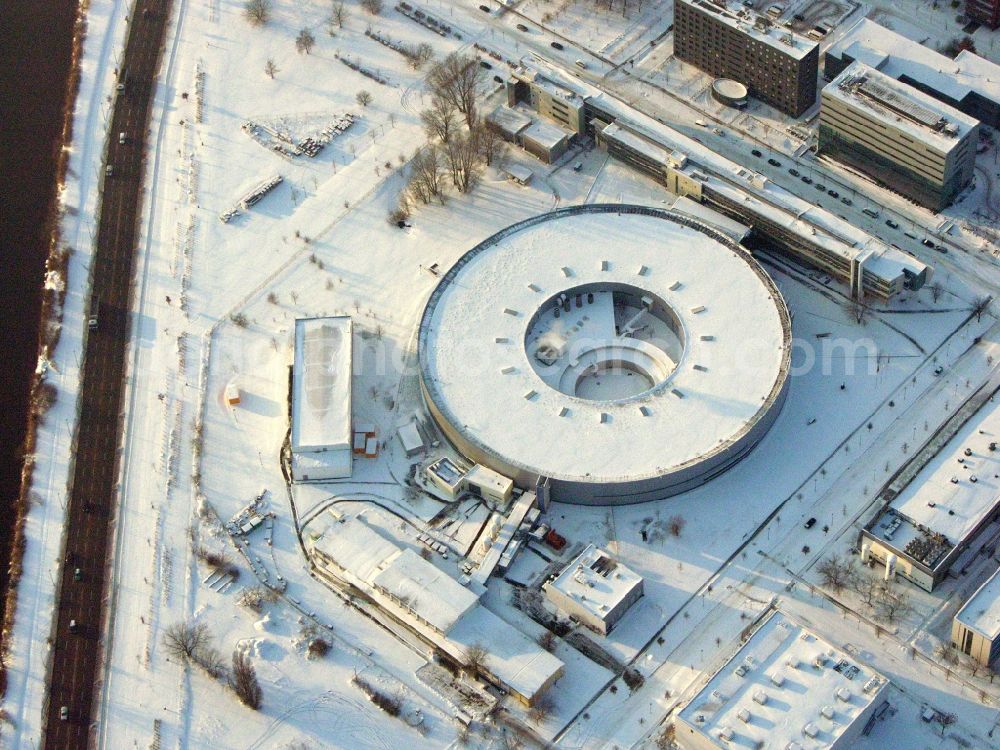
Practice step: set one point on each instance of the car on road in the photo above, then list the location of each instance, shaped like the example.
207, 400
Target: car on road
810, 523
926, 242
820, 186
757, 153
73, 627
522, 27
109, 170
719, 131
807, 179
580, 64
498, 79
941, 249
77, 574
555, 45
122, 80
847, 201
64, 713
833, 193
774, 162
121, 137
891, 224
484, 64
794, 172
870, 212
484, 8
938, 370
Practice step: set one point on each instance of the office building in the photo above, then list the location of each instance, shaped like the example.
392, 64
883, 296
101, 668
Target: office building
975, 631
595, 589
900, 137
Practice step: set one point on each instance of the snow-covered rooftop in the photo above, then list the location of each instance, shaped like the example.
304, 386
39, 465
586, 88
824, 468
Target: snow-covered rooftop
426, 591
936, 502
781, 681
982, 611
596, 581
321, 384
900, 106
757, 26
509, 121
476, 364
545, 134
898, 57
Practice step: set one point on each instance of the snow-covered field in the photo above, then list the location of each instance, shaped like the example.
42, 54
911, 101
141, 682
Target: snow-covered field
216, 304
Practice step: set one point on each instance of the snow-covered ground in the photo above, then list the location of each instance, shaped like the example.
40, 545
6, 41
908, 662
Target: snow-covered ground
216, 304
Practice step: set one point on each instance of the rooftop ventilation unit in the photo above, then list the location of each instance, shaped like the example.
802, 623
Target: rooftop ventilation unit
792, 662
827, 711
726, 734
760, 697
778, 679
844, 694
744, 715
810, 730
872, 684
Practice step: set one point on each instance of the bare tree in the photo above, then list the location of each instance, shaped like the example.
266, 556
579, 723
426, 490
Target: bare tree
363, 97
456, 79
936, 291
490, 145
374, 7
893, 602
425, 175
463, 162
440, 119
475, 658
183, 640
271, 68
423, 53
541, 709
547, 640
859, 310
257, 12
244, 683
979, 305
339, 14
305, 41
676, 524
867, 586
835, 572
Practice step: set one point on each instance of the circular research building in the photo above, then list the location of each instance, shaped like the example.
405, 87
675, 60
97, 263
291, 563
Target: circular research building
625, 353
729, 92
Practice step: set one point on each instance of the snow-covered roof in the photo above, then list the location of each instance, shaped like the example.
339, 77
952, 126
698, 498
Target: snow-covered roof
951, 508
700, 212
781, 680
476, 365
484, 476
982, 611
509, 121
596, 581
900, 106
510, 655
897, 56
356, 547
321, 384
429, 593
545, 134
745, 20
447, 472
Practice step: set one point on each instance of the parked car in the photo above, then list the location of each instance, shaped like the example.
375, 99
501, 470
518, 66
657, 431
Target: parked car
757, 153
109, 170
891, 224
64, 713
555, 45
820, 186
554, 540
807, 179
926, 242
794, 172
484, 8
810, 523
484, 64
847, 201
498, 79
774, 162
833, 193
870, 212
77, 574
522, 27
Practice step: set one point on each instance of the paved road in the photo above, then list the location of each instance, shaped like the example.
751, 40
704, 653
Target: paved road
75, 660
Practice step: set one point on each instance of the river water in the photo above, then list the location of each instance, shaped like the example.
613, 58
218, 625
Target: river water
36, 45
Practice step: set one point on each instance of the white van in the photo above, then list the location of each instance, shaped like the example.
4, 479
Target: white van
581, 64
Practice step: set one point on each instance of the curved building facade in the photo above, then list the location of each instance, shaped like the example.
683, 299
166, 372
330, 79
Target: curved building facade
625, 353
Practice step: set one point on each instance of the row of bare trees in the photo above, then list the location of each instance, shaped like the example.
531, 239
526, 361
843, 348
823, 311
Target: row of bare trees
191, 644
887, 601
454, 153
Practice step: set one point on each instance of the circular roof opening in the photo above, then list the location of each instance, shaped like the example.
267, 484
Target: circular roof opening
604, 342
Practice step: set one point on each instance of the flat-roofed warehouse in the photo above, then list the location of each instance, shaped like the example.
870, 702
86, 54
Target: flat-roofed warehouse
321, 437
785, 688
417, 595
595, 589
898, 136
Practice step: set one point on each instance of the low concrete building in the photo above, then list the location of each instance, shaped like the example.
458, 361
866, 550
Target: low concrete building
482, 481
784, 688
975, 631
321, 436
936, 519
898, 136
543, 140
446, 476
595, 589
